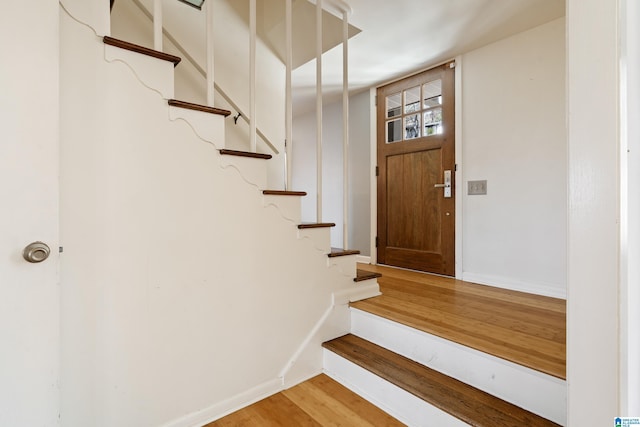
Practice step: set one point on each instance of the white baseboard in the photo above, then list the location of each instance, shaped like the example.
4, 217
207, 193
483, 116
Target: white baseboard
363, 259
228, 406
543, 289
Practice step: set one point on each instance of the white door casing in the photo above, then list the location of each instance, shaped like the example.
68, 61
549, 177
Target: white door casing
29, 293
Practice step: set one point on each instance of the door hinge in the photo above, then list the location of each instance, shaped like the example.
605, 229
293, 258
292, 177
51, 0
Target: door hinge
377, 171
375, 100
455, 167
376, 241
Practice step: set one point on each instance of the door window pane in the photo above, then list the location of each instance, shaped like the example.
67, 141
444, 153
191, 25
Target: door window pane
412, 126
394, 130
433, 122
432, 94
412, 100
394, 104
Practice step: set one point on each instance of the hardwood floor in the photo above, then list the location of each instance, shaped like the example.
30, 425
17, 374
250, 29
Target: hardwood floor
523, 328
526, 329
319, 401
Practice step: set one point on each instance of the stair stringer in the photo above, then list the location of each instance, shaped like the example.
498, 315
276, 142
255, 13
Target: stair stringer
184, 294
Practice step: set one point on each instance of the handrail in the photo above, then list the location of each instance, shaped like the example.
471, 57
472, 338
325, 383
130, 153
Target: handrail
202, 72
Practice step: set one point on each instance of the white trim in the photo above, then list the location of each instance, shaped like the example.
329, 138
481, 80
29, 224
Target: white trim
363, 259
228, 406
458, 173
363, 290
305, 343
535, 391
543, 289
373, 188
339, 298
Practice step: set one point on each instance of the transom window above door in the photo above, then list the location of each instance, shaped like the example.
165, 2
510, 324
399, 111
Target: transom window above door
414, 113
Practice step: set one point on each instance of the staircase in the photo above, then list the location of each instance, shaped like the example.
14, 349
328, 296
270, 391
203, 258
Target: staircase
426, 380
197, 269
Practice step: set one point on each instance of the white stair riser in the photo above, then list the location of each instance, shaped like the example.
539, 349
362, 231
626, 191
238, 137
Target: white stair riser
288, 206
537, 392
320, 237
209, 127
397, 402
346, 264
154, 73
253, 171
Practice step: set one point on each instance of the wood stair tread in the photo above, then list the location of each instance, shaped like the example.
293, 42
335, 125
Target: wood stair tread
250, 154
307, 225
198, 107
141, 49
338, 252
283, 193
460, 400
365, 275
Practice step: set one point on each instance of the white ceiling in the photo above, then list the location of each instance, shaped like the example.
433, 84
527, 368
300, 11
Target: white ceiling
399, 37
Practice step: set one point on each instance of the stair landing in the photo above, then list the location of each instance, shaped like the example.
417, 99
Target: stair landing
525, 329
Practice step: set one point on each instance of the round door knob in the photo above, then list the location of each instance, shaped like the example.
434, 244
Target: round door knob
36, 252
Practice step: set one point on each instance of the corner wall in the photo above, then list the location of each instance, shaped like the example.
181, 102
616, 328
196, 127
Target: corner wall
513, 122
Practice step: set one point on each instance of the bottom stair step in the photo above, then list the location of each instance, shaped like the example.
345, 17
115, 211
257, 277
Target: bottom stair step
460, 400
362, 275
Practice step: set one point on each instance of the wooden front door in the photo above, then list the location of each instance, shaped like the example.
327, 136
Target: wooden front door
416, 146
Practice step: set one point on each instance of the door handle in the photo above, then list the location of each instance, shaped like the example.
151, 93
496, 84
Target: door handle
36, 252
446, 185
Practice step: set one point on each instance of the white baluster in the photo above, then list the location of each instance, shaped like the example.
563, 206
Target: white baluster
252, 74
210, 55
319, 108
345, 129
288, 95
157, 25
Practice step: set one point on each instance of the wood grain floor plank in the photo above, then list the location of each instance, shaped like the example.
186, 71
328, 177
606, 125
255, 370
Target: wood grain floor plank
318, 402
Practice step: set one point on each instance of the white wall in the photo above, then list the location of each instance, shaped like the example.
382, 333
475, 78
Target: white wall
360, 173
304, 169
513, 123
593, 310
186, 293
29, 293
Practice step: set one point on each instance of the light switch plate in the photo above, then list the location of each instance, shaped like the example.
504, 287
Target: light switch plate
476, 188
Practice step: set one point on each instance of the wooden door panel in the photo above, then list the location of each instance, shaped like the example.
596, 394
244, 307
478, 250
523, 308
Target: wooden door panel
415, 221
413, 201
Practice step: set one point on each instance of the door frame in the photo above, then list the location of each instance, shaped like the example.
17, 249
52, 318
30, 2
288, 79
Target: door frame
458, 159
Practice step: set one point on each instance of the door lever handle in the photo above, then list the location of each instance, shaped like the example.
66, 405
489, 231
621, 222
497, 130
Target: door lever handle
446, 185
